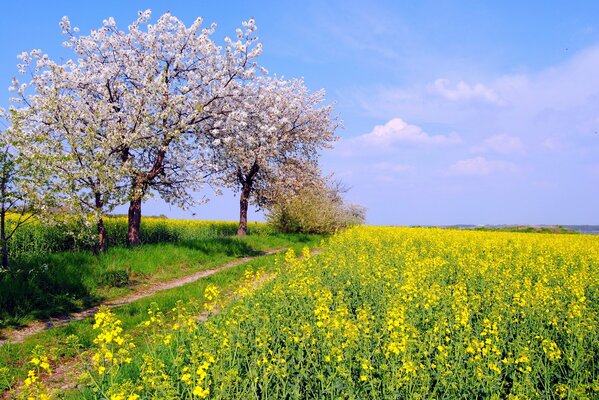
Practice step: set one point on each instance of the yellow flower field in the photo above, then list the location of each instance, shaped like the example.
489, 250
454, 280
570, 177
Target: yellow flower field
386, 313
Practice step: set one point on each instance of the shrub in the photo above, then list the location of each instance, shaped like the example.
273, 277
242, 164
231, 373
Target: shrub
317, 209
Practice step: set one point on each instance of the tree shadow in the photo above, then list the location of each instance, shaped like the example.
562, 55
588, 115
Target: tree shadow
229, 246
300, 238
43, 287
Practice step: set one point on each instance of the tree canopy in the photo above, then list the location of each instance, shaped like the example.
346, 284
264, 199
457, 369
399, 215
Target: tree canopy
162, 109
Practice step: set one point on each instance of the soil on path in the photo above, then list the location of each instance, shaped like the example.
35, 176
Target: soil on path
147, 290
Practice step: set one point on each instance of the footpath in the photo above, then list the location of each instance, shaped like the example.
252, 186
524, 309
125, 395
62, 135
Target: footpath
19, 335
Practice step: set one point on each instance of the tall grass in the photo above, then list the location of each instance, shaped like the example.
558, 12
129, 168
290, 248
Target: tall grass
52, 273
37, 239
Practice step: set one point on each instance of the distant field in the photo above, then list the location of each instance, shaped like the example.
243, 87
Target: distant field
387, 313
590, 229
587, 229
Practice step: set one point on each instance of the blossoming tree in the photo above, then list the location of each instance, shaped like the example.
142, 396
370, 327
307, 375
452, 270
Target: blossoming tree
63, 132
131, 113
274, 124
16, 197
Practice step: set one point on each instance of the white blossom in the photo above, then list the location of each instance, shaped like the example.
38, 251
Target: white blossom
126, 116
275, 127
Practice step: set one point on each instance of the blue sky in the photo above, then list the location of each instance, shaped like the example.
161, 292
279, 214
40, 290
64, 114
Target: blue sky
453, 112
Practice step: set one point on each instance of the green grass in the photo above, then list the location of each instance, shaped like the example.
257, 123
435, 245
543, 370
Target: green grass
37, 238
15, 356
59, 283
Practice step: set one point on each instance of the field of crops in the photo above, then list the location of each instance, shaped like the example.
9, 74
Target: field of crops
381, 313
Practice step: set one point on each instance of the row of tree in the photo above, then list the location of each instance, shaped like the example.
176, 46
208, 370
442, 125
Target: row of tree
159, 109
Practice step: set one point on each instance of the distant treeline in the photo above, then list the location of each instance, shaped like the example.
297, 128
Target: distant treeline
567, 229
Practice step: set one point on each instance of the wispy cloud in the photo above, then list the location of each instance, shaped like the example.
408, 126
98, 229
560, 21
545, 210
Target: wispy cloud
500, 144
480, 166
462, 92
551, 143
558, 102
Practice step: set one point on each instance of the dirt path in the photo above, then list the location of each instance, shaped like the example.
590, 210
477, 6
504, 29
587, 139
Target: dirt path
64, 375
17, 336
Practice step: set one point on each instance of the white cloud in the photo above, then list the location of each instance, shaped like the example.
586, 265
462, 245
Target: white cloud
398, 131
558, 101
480, 166
463, 92
501, 144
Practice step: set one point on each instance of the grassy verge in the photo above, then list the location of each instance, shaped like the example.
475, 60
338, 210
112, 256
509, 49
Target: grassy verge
37, 238
60, 283
59, 341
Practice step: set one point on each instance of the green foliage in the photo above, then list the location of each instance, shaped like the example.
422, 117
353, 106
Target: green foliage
116, 278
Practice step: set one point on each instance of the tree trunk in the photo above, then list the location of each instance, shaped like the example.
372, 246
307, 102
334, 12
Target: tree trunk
4, 255
134, 222
243, 208
3, 238
102, 243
